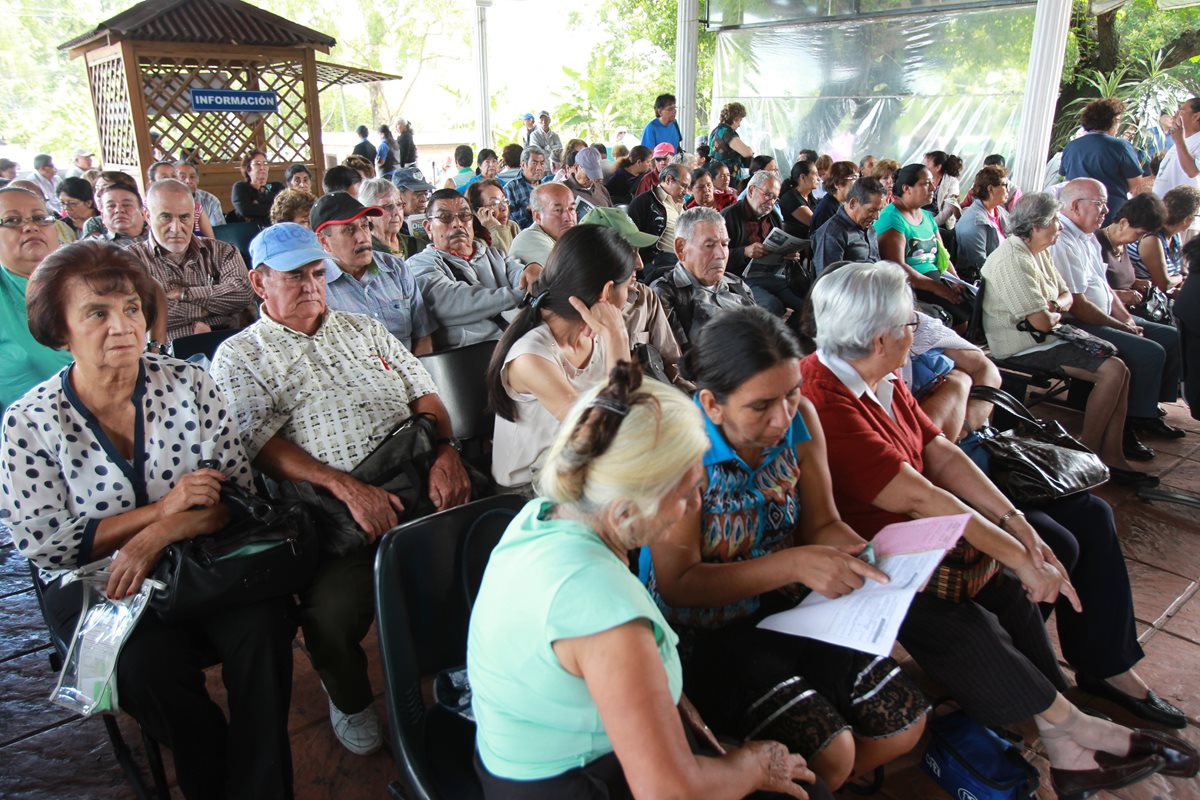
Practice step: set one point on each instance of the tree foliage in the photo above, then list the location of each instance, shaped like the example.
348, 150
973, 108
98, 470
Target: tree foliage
1145, 56
635, 65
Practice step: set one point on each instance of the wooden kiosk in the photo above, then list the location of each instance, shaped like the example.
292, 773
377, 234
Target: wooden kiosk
146, 64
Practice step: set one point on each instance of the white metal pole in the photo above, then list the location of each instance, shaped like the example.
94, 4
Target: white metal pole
687, 34
483, 96
1050, 27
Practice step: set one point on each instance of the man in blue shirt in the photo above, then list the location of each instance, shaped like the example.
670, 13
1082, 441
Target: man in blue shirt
663, 128
360, 280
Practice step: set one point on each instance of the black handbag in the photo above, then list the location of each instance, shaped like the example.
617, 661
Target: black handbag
1156, 307
400, 465
1037, 461
268, 550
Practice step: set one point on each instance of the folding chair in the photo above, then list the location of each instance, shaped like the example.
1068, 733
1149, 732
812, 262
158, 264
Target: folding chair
422, 610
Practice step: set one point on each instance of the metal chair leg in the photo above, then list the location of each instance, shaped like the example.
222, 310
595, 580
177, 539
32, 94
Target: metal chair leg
125, 759
154, 756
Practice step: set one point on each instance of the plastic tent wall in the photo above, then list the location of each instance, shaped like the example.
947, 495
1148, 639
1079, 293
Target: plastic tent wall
852, 77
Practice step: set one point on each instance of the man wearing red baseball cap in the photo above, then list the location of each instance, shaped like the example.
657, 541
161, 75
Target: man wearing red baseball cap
361, 280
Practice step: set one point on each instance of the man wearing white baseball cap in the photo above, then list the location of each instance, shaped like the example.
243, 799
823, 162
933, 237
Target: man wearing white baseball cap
315, 391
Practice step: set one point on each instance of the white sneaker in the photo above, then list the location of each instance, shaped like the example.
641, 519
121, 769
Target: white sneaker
359, 733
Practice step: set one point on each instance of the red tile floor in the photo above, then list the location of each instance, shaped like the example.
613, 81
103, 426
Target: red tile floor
46, 754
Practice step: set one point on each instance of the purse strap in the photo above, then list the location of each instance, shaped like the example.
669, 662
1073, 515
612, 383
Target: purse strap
1004, 400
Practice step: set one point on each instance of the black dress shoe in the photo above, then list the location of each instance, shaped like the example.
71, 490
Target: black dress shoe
1156, 426
1131, 477
1151, 708
1133, 448
1076, 784
1182, 759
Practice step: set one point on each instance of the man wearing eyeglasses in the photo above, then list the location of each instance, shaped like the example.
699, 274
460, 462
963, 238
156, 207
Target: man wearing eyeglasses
656, 212
361, 280
1150, 350
27, 235
466, 285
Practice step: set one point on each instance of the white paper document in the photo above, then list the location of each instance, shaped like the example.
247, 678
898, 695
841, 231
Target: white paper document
869, 619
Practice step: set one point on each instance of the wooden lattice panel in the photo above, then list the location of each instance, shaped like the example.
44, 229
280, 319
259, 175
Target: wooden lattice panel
217, 137
113, 116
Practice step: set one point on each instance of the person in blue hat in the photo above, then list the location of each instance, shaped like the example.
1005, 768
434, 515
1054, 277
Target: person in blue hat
314, 392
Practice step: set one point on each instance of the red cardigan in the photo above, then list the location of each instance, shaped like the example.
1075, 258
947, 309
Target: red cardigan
866, 447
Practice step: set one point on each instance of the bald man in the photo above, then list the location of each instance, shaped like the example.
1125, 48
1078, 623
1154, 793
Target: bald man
553, 209
1150, 350
205, 280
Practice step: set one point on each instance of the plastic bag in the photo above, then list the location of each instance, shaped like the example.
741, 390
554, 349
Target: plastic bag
87, 684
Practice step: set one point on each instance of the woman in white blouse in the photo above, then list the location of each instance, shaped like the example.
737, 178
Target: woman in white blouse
567, 337
102, 460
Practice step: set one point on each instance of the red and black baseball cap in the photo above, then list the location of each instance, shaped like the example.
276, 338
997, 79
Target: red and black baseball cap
338, 208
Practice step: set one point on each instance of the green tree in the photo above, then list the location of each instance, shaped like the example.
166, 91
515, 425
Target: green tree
637, 63
1148, 57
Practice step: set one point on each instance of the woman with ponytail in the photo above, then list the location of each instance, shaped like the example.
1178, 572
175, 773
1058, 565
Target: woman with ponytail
566, 337
575, 678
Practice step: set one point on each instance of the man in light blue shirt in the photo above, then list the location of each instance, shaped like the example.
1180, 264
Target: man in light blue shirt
663, 128
360, 280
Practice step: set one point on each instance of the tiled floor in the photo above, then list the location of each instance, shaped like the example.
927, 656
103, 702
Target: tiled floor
47, 755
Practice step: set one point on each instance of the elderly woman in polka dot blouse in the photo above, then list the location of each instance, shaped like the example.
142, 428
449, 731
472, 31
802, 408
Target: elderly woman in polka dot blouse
103, 460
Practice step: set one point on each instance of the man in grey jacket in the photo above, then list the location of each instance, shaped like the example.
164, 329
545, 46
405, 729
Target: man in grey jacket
466, 285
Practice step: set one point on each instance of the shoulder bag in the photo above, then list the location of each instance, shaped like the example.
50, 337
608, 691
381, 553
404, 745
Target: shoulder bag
268, 550
400, 465
1037, 461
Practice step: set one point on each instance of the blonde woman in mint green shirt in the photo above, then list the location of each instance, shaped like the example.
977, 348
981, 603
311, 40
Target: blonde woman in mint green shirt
574, 672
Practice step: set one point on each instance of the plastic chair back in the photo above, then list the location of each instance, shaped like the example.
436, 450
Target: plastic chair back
238, 234
200, 343
460, 375
421, 617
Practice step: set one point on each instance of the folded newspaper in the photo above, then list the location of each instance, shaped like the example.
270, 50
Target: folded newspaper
779, 245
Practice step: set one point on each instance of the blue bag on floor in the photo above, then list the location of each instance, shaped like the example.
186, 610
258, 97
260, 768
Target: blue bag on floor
972, 762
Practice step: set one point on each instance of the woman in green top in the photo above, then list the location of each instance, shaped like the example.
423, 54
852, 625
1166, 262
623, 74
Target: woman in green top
727, 146
909, 236
27, 235
574, 673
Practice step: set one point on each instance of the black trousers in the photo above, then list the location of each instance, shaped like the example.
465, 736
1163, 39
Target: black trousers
336, 612
160, 683
991, 652
601, 779
1102, 641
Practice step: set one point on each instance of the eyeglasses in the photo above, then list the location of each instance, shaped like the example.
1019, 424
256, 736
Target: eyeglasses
916, 323
258, 164
464, 217
70, 203
391, 208
768, 196
501, 203
1097, 203
16, 223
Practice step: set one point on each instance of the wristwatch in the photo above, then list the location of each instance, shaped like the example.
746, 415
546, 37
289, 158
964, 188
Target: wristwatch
453, 441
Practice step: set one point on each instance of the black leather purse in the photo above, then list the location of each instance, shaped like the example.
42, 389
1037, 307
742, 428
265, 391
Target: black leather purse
1037, 461
399, 464
268, 550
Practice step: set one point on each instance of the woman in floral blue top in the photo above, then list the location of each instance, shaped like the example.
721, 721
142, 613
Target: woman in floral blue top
767, 533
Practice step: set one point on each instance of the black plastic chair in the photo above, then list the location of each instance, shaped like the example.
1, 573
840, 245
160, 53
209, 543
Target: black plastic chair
460, 378
238, 234
159, 789
1016, 378
200, 343
422, 613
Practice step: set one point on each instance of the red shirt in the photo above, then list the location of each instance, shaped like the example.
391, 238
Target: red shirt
866, 447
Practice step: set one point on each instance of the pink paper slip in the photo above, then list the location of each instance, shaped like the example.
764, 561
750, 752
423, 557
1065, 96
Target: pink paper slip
915, 536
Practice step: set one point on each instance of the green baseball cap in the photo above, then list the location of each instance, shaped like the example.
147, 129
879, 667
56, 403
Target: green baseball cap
620, 222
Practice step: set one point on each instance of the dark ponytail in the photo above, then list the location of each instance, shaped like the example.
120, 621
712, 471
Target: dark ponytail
583, 261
